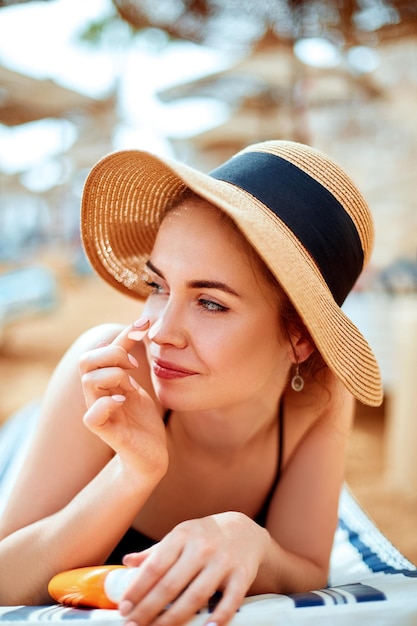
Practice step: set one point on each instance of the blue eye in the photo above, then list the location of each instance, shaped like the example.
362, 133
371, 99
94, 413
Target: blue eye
209, 305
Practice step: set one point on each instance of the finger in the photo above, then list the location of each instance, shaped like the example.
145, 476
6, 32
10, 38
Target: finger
107, 382
106, 356
198, 590
151, 570
132, 334
232, 597
193, 598
99, 413
116, 353
150, 574
134, 559
168, 587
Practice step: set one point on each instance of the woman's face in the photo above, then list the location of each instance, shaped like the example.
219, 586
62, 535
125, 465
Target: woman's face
215, 340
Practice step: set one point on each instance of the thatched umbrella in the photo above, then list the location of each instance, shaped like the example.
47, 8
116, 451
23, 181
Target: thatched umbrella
244, 22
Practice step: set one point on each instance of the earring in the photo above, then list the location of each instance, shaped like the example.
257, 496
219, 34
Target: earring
297, 381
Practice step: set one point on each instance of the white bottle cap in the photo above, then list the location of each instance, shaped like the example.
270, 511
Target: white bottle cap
117, 581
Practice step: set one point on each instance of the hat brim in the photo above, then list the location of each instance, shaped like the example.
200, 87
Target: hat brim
125, 197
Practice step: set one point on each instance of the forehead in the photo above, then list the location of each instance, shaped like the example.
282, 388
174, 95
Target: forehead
194, 210
204, 224
197, 237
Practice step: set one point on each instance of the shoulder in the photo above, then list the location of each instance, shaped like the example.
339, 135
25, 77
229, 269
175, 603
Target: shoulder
323, 406
102, 333
88, 340
323, 397
317, 425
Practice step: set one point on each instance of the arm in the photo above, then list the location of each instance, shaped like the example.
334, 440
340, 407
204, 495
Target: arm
82, 533
62, 447
62, 511
303, 515
231, 553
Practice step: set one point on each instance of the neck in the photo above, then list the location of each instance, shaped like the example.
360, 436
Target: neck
222, 432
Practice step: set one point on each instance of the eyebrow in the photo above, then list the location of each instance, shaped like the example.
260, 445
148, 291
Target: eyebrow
198, 284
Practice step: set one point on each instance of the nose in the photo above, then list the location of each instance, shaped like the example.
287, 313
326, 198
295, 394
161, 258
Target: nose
168, 329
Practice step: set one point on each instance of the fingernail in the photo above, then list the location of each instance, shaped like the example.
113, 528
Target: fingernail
136, 335
142, 321
125, 608
134, 383
155, 329
118, 397
132, 359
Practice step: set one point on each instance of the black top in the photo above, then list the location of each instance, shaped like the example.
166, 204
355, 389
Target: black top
135, 541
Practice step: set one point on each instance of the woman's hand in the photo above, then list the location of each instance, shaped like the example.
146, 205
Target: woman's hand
119, 411
221, 552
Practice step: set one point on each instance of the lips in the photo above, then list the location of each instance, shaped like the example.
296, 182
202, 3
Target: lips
170, 371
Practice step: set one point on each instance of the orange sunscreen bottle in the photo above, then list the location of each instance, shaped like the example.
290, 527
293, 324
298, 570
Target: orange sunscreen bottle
99, 587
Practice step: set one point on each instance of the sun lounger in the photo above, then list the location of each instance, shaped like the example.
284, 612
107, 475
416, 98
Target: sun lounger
370, 582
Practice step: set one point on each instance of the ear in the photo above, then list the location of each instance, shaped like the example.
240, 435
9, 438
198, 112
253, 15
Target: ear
301, 348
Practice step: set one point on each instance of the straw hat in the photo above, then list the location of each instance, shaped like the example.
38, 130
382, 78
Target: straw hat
298, 209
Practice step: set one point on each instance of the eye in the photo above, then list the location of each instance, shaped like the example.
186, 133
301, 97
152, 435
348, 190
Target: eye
152, 284
212, 306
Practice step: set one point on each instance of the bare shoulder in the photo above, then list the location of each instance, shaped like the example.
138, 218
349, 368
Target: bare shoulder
92, 337
66, 374
50, 474
317, 424
324, 404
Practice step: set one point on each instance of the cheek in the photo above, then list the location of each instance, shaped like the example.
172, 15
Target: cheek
153, 308
251, 347
263, 346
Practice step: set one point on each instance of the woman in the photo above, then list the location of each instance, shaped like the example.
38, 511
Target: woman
206, 441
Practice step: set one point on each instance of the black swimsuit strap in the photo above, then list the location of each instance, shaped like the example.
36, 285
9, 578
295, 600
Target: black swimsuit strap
134, 540
281, 442
261, 517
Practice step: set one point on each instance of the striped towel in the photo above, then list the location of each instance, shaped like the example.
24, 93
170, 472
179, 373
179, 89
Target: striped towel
370, 581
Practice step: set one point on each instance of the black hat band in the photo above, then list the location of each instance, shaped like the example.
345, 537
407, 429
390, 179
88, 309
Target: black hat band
311, 211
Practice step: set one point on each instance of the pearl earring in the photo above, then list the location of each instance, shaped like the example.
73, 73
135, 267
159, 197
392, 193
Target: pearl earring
297, 381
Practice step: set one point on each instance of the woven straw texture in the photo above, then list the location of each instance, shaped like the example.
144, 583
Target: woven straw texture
127, 193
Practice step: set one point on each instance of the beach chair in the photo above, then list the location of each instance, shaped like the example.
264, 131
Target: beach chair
370, 582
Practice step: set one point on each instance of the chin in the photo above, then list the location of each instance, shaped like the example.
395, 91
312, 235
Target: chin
170, 399
179, 401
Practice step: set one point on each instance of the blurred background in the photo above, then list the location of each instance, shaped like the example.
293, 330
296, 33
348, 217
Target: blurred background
197, 80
